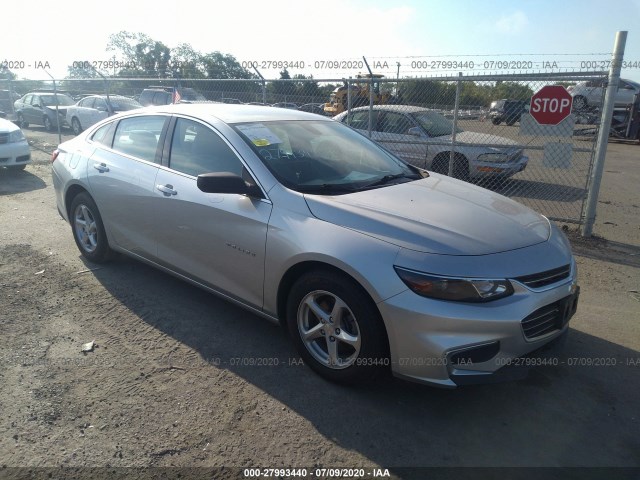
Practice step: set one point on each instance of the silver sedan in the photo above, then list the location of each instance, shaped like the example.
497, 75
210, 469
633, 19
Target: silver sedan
370, 263
423, 137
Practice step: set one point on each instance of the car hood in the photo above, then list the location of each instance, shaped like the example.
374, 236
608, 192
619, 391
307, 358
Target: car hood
480, 138
436, 215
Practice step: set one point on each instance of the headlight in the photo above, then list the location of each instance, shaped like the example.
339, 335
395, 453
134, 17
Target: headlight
455, 289
16, 136
493, 157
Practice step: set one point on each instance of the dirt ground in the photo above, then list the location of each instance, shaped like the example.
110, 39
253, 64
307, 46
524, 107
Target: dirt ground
173, 382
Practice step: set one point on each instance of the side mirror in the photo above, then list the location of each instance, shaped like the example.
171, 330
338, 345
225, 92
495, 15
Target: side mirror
226, 182
415, 131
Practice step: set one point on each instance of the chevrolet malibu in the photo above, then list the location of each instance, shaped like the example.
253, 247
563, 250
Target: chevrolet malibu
370, 263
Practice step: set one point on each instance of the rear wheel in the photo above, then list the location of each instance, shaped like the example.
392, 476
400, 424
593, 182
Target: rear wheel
21, 122
88, 229
495, 121
75, 126
336, 328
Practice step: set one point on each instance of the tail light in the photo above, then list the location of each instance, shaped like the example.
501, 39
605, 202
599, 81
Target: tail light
54, 155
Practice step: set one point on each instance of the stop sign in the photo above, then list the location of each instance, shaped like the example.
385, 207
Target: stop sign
551, 105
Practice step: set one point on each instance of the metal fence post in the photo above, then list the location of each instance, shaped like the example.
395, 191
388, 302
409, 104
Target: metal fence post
370, 96
55, 95
603, 133
452, 154
348, 82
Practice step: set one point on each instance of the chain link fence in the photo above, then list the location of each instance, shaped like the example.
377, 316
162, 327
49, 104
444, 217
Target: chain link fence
475, 128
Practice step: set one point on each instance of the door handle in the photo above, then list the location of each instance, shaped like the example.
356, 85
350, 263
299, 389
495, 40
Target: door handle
101, 167
167, 189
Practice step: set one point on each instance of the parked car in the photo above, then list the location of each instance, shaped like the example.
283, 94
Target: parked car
317, 108
232, 101
93, 108
422, 137
587, 95
39, 108
7, 99
292, 106
14, 149
283, 212
168, 95
507, 111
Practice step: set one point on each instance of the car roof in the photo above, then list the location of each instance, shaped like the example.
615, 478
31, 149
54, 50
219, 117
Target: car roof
233, 113
395, 108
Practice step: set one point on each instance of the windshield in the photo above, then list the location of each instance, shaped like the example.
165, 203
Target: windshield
323, 157
191, 95
122, 104
435, 124
62, 99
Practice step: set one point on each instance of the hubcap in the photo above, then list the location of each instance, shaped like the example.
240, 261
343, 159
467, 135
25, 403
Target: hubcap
85, 229
329, 329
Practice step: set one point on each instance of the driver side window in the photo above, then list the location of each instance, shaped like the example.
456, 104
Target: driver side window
196, 149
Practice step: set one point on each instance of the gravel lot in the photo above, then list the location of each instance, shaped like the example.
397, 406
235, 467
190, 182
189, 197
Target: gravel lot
168, 383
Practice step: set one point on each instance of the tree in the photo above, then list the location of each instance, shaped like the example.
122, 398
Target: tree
140, 54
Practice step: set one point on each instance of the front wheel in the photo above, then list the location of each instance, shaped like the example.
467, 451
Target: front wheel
88, 229
48, 126
336, 328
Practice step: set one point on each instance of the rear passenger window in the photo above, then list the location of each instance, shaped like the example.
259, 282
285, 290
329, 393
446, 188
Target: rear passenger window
101, 135
139, 136
197, 149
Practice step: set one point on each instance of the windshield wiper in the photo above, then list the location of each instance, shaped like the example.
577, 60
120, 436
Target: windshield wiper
388, 178
326, 188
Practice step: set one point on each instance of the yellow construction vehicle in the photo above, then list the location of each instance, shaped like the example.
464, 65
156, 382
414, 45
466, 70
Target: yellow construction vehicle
359, 94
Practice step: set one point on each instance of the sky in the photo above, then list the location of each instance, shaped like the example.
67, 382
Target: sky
329, 35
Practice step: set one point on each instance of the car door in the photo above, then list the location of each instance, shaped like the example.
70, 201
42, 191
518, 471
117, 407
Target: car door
100, 110
392, 131
625, 94
82, 112
218, 239
24, 105
33, 111
122, 180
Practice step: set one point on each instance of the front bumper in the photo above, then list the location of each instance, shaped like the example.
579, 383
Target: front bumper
17, 153
428, 337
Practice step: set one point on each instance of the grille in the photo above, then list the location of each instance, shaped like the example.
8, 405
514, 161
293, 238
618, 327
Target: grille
542, 279
4, 138
550, 318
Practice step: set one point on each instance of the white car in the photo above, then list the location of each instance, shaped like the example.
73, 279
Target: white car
14, 148
94, 108
591, 94
422, 137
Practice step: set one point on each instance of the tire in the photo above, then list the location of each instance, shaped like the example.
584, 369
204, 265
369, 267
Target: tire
579, 103
88, 229
46, 121
75, 126
495, 121
337, 328
440, 165
21, 122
